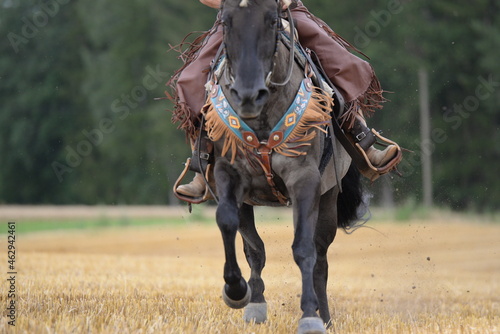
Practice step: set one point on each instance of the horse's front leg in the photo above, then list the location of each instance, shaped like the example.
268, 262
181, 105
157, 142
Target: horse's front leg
236, 292
305, 191
326, 230
256, 310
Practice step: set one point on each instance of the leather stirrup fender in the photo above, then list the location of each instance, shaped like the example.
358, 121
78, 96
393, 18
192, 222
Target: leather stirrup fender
202, 153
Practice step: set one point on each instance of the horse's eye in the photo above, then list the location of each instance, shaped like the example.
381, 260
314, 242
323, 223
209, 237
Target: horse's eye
273, 21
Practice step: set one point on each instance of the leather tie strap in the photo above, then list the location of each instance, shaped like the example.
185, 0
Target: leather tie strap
264, 159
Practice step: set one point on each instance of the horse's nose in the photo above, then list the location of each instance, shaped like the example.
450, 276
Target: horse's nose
262, 96
250, 97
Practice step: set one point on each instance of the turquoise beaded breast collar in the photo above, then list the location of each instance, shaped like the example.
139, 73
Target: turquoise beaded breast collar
279, 133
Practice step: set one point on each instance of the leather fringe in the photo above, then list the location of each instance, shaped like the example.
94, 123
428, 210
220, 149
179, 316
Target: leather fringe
371, 99
216, 129
188, 52
368, 103
316, 116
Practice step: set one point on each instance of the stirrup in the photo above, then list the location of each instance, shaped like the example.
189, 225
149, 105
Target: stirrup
371, 172
194, 200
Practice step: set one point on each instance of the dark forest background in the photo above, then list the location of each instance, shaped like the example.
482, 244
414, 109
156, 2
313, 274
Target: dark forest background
79, 123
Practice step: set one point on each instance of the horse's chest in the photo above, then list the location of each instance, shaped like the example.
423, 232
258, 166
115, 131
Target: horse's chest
256, 180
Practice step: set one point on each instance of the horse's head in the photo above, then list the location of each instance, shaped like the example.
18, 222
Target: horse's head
250, 30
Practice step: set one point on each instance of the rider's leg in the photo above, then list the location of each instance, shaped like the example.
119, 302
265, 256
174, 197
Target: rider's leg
349, 73
190, 89
353, 76
190, 82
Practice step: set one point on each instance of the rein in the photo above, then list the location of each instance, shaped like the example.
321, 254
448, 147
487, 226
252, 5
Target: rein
291, 59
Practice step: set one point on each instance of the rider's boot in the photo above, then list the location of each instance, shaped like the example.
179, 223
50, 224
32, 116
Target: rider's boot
201, 157
379, 158
196, 188
362, 135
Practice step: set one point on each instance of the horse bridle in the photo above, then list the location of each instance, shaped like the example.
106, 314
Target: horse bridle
266, 164
291, 60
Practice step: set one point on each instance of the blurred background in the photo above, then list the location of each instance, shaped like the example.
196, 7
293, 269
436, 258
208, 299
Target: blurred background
79, 123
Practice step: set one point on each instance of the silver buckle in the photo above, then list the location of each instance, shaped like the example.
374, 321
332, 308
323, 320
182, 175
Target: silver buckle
204, 156
360, 136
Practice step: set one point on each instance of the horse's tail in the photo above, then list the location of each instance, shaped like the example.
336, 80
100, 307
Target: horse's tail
352, 202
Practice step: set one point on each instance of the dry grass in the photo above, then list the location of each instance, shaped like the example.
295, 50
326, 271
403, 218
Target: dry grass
435, 276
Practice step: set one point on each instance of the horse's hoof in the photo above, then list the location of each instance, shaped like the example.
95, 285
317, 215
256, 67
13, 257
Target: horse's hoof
311, 325
237, 304
255, 312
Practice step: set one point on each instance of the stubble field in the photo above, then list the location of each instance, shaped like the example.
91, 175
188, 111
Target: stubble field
434, 275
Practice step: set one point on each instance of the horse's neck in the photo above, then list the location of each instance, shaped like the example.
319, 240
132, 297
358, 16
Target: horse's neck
281, 96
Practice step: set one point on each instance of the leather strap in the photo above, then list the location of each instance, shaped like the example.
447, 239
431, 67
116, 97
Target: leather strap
264, 158
201, 156
358, 159
362, 135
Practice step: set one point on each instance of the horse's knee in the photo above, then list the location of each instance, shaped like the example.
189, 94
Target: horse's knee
226, 216
304, 253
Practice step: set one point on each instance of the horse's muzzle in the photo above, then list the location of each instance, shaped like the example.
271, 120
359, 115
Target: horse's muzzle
249, 102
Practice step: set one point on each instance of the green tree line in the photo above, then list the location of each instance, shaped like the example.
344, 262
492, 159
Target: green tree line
79, 122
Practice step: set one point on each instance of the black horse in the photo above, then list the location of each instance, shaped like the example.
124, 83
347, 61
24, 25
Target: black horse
255, 164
